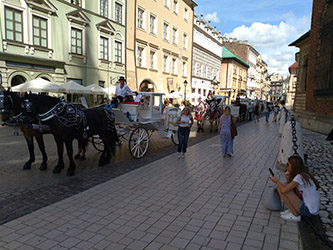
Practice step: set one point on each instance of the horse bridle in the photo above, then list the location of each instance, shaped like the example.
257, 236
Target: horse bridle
3, 108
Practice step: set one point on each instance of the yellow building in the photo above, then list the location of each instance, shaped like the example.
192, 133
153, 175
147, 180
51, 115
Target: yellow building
159, 45
233, 75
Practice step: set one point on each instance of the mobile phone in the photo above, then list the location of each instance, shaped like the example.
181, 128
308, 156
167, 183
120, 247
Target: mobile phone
270, 170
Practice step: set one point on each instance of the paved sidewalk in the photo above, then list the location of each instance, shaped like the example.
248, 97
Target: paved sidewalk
201, 202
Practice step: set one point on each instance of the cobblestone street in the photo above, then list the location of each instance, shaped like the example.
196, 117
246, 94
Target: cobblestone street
320, 163
201, 202
24, 191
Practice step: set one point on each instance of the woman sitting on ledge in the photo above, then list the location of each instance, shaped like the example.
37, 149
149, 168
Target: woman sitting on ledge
298, 177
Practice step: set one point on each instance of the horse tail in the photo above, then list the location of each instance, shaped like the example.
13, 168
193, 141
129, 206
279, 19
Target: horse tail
111, 128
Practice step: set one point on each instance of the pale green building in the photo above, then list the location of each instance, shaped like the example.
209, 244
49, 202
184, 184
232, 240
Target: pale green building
62, 40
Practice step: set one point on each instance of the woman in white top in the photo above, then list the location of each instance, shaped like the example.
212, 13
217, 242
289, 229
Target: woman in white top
185, 122
299, 177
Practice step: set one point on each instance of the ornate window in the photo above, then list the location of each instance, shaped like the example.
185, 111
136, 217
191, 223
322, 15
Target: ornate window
186, 14
152, 59
184, 73
76, 41
140, 21
118, 51
165, 31
140, 56
39, 31
175, 6
174, 66
166, 63
104, 48
152, 24
174, 35
103, 7
185, 40
118, 13
14, 25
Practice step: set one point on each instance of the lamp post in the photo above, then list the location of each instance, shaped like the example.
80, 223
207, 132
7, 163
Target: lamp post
185, 84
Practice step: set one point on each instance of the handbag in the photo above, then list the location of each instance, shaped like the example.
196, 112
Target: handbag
272, 198
233, 128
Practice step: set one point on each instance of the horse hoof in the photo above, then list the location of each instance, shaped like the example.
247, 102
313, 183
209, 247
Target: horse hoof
70, 173
27, 166
77, 156
83, 158
43, 167
57, 170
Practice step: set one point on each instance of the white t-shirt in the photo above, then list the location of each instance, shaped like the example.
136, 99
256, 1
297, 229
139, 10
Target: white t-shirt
123, 91
311, 196
186, 119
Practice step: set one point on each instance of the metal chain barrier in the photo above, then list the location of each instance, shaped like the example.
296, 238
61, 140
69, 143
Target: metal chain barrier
294, 139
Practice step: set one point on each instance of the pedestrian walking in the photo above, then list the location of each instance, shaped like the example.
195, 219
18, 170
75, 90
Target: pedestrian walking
298, 177
224, 130
267, 111
256, 112
250, 108
276, 110
185, 122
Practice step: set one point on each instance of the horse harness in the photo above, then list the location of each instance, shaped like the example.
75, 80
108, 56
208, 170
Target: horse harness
72, 117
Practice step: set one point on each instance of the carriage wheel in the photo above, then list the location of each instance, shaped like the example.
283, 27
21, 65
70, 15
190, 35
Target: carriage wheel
174, 138
97, 143
138, 142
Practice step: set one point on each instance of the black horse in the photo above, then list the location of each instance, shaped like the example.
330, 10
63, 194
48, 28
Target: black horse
12, 114
68, 122
16, 111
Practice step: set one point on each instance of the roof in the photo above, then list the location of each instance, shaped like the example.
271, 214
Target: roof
304, 36
227, 54
294, 66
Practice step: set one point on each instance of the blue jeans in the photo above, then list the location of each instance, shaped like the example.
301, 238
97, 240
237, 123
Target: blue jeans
303, 210
267, 116
183, 134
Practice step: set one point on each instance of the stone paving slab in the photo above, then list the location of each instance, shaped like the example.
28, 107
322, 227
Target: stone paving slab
201, 202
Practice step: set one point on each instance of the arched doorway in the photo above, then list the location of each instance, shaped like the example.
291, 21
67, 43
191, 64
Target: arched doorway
146, 86
18, 79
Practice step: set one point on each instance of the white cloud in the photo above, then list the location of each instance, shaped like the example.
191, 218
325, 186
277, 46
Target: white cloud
212, 17
272, 40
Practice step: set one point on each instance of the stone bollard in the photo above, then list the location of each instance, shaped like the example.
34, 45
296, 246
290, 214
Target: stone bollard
287, 144
284, 117
282, 120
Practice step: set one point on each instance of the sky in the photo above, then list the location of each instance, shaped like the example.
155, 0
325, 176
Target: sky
269, 26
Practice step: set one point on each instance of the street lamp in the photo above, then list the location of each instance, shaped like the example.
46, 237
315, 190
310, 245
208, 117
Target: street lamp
185, 84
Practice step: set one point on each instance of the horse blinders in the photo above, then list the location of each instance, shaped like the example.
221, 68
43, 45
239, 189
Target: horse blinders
3, 105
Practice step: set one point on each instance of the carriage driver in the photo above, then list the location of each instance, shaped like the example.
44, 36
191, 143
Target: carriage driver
123, 92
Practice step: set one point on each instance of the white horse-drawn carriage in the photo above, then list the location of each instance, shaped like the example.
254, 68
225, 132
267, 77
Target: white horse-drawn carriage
136, 121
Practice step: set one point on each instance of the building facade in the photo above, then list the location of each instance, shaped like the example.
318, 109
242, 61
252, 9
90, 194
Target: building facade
159, 48
262, 85
248, 54
276, 87
252, 88
62, 40
233, 75
292, 85
315, 71
207, 58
